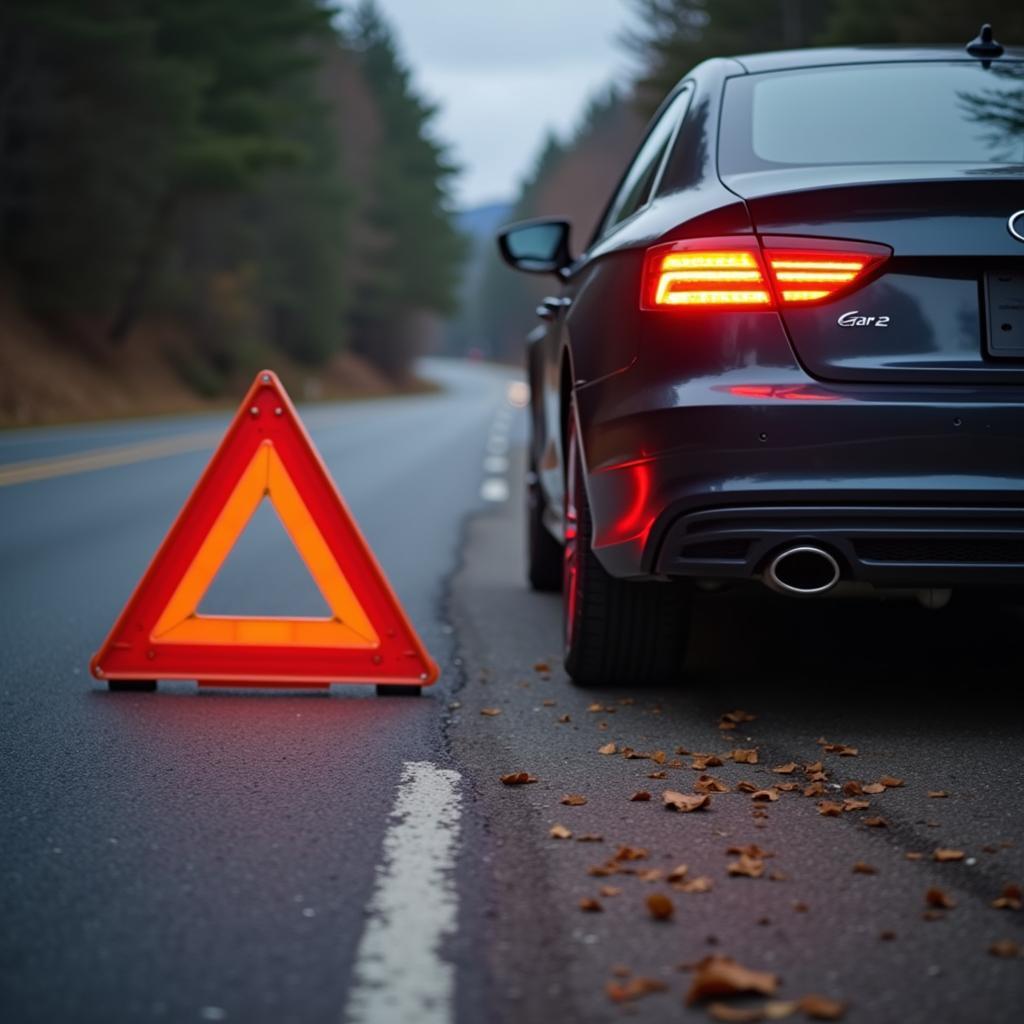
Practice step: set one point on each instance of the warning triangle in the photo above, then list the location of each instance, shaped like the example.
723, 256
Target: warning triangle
266, 454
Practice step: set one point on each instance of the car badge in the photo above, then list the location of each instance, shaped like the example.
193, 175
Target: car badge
1015, 225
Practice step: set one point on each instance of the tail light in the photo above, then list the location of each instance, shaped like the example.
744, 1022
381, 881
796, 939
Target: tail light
736, 272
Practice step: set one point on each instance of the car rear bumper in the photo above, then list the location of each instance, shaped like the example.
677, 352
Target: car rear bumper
906, 487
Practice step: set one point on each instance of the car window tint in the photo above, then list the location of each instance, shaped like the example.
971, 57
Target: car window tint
640, 178
919, 112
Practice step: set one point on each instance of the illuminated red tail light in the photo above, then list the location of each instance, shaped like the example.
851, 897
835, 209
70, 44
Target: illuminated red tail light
736, 272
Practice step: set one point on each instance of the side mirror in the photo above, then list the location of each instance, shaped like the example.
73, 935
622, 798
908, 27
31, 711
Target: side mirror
536, 246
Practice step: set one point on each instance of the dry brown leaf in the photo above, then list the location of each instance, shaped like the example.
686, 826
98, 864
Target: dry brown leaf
745, 787
778, 1009
678, 873
876, 822
560, 832
608, 748
1010, 899
800, 907
890, 783
548, 703
735, 1014
943, 855
814, 789
750, 850
937, 794
747, 867
650, 875
590, 906
702, 762
874, 788
856, 805
769, 795
490, 712
786, 769
737, 716
722, 976
709, 784
744, 756
589, 837
657, 775
813, 767
853, 788
658, 757
635, 988
563, 719
939, 899
829, 809
821, 1008
659, 906
630, 853
787, 787
817, 777
862, 868
913, 856
841, 749
641, 795
542, 666
694, 885
518, 779
574, 800
610, 890
1004, 948
684, 802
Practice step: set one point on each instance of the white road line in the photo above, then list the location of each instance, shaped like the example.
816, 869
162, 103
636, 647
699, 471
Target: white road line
494, 488
495, 464
497, 445
399, 974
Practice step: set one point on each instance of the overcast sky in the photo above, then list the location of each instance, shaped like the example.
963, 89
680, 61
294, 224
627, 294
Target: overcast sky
504, 72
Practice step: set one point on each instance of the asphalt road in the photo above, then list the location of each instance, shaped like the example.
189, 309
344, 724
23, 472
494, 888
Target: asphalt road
249, 857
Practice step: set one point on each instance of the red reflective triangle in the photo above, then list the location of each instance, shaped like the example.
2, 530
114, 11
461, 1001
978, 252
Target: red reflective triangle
265, 454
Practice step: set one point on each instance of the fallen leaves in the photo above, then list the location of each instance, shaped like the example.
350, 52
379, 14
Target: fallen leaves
559, 832
694, 885
863, 868
722, 976
821, 1008
709, 784
490, 712
640, 796
876, 822
659, 906
702, 762
634, 988
1004, 948
590, 906
850, 804
741, 756
769, 795
942, 855
573, 800
746, 867
518, 779
786, 769
830, 809
684, 802
939, 899
1010, 899
890, 783
873, 788
937, 794
608, 748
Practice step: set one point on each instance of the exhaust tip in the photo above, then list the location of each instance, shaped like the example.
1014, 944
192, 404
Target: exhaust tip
803, 569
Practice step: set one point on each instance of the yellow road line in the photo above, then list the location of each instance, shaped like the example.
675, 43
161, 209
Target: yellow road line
103, 458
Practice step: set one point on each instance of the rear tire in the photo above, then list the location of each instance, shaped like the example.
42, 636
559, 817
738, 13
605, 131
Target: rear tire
543, 552
617, 632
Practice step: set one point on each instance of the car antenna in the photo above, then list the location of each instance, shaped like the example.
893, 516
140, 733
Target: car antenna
984, 46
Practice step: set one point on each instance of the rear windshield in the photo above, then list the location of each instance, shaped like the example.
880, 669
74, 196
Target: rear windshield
875, 113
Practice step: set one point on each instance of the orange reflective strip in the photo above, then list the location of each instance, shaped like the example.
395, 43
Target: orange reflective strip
265, 476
